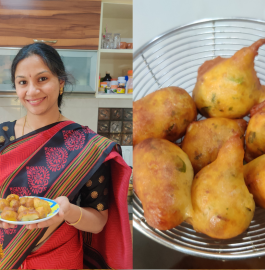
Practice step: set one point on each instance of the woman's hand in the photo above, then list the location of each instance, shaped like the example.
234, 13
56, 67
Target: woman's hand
6, 225
58, 218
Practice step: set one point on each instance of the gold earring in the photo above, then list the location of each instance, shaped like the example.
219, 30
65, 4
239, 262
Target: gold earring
61, 91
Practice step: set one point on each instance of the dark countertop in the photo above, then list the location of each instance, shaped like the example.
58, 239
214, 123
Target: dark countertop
148, 254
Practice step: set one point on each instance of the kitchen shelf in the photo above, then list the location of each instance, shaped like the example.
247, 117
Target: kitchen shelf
117, 17
127, 96
116, 54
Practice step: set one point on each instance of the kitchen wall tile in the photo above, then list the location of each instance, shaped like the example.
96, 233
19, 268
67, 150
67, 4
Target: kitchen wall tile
116, 138
127, 127
82, 116
9, 102
115, 126
9, 114
103, 126
128, 114
116, 114
126, 139
81, 102
103, 114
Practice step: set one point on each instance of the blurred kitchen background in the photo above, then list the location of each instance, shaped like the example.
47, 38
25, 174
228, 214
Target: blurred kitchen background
93, 37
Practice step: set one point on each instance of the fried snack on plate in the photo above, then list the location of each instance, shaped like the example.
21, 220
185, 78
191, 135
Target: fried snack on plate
162, 179
42, 210
255, 134
254, 175
223, 207
9, 214
204, 139
28, 215
15, 204
23, 208
11, 197
3, 203
229, 87
29, 203
23, 200
39, 202
164, 114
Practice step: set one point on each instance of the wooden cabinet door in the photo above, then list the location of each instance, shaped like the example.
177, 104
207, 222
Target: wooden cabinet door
73, 24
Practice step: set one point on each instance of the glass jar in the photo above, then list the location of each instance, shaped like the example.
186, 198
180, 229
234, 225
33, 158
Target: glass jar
117, 40
107, 42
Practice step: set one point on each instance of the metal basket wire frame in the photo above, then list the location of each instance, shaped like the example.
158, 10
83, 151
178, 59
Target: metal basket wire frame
173, 58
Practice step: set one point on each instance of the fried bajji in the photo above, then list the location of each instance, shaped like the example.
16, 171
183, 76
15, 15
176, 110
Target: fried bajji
223, 207
3, 203
255, 134
254, 175
204, 139
10, 214
28, 215
164, 114
14, 204
162, 179
11, 197
41, 203
229, 87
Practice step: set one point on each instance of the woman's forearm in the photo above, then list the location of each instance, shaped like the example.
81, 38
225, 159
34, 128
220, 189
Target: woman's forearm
92, 220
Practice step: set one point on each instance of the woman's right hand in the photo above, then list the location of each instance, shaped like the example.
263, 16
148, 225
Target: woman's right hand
6, 225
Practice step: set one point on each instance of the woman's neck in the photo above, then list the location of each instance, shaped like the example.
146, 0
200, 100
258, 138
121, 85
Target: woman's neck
36, 121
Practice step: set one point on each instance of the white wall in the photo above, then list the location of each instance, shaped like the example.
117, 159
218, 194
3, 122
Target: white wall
154, 17
82, 109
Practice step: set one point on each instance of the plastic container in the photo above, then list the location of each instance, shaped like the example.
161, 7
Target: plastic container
103, 84
121, 88
114, 86
121, 79
129, 86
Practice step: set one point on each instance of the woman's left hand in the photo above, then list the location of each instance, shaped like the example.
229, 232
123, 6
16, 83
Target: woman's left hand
58, 218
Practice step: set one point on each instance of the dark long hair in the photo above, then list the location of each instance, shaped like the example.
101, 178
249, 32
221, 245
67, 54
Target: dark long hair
49, 56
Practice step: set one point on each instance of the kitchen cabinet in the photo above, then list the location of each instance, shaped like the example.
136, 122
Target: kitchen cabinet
62, 23
81, 64
117, 18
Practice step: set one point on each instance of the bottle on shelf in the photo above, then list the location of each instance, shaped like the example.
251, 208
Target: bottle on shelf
129, 86
114, 85
121, 88
107, 78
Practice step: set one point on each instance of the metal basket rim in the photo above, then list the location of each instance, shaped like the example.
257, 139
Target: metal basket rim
153, 41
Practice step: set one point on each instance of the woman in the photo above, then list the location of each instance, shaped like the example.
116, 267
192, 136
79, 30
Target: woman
45, 154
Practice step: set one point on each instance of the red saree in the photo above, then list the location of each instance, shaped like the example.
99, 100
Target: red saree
58, 160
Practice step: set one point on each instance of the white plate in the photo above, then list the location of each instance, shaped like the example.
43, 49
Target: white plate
54, 207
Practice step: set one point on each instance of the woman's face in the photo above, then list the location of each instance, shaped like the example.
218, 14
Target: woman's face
36, 86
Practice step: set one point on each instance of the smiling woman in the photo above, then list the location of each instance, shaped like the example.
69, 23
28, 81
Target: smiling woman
47, 155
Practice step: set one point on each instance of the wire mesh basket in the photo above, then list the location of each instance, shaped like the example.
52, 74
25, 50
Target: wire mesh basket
173, 59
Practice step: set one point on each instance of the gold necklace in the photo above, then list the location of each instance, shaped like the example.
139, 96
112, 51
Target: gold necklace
31, 127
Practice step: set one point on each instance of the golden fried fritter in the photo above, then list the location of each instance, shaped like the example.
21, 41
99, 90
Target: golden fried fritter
223, 207
204, 139
162, 179
164, 114
230, 87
